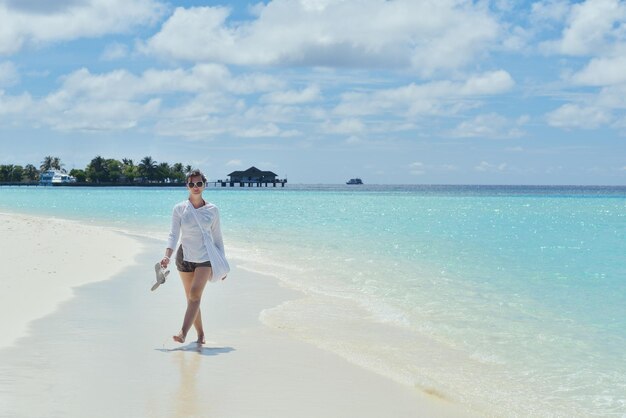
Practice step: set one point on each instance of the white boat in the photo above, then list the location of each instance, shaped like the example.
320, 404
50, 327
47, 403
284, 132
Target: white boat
355, 181
55, 177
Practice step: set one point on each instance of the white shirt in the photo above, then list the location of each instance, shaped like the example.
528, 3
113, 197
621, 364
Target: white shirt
184, 224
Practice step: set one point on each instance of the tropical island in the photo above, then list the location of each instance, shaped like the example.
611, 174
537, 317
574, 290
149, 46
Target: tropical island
99, 171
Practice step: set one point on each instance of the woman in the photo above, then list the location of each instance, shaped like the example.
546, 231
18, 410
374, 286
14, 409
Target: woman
200, 257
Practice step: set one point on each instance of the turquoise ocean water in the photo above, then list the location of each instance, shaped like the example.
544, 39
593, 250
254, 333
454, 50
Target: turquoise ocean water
510, 299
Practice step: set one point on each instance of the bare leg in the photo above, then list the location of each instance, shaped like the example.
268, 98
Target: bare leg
200, 278
187, 279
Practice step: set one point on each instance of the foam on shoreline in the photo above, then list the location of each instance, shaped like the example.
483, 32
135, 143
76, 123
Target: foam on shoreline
108, 351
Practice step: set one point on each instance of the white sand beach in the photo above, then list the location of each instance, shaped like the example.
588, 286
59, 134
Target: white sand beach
44, 259
84, 336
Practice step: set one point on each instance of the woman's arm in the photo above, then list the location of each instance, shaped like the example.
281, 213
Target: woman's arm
166, 258
216, 232
173, 237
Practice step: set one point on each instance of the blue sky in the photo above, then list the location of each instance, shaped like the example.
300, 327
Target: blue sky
396, 91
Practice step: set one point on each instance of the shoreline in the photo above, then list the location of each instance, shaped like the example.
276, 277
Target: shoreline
115, 334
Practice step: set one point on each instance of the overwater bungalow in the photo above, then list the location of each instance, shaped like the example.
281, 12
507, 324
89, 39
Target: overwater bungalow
252, 177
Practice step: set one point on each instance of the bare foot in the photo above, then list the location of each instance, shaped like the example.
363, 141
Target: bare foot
201, 339
180, 337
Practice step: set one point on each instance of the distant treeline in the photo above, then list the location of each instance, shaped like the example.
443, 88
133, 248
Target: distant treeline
101, 170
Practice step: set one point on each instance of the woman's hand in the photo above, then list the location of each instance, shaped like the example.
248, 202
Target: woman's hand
165, 261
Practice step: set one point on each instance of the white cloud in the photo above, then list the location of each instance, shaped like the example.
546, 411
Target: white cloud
258, 131
434, 98
592, 26
517, 39
114, 51
550, 10
344, 126
204, 106
8, 74
120, 100
268, 130
423, 35
124, 85
198, 30
234, 163
525, 27
254, 83
417, 168
492, 82
192, 127
354, 140
491, 125
620, 125
604, 71
596, 109
201, 102
484, 166
206, 101
20, 105
612, 97
307, 95
228, 118
37, 22
40, 7
102, 116
573, 116
272, 113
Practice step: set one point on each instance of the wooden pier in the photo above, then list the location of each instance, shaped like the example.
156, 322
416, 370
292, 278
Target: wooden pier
224, 183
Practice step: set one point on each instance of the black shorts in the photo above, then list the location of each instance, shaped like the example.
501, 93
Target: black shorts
188, 266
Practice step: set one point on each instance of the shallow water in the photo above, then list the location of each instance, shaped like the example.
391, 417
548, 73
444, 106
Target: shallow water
512, 299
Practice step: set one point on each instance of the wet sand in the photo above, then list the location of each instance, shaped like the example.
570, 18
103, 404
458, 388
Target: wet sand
106, 350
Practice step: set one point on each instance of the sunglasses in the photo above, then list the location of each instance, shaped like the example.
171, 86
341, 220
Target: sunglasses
191, 184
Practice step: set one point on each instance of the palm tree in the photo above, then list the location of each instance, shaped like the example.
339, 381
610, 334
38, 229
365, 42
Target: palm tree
147, 167
81, 175
177, 167
5, 172
31, 173
128, 169
178, 172
46, 164
97, 170
56, 164
51, 163
163, 172
17, 174
114, 168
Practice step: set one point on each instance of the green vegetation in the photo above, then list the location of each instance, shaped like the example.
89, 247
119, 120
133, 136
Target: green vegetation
101, 170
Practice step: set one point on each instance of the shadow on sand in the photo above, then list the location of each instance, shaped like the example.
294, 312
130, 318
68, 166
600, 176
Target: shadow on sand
198, 348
